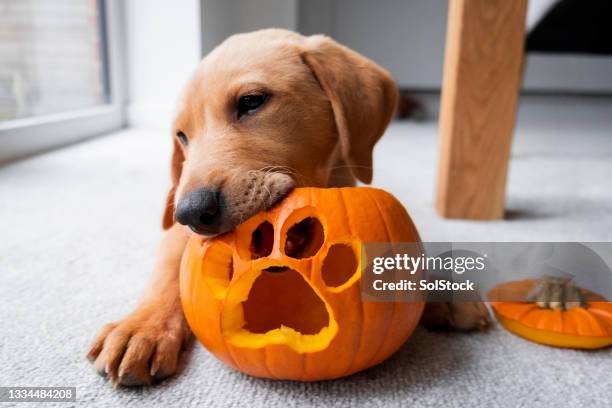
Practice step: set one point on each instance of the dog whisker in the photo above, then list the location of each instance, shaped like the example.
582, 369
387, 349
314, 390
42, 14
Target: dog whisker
287, 170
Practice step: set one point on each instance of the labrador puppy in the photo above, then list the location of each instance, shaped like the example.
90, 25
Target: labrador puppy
263, 113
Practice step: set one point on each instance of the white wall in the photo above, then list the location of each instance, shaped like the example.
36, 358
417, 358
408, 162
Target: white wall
222, 18
163, 48
404, 36
167, 39
407, 37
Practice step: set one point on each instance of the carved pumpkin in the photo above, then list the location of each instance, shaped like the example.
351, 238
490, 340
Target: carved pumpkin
279, 297
582, 322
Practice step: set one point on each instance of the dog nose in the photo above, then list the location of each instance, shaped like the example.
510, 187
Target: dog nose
199, 210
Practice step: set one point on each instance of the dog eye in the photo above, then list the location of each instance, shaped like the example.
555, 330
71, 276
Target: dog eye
182, 138
248, 104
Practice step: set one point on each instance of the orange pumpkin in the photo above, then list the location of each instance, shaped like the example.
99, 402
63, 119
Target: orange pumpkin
280, 297
586, 326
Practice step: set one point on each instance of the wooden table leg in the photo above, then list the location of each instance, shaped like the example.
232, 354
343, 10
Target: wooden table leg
482, 76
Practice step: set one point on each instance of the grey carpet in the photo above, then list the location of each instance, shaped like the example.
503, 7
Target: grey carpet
79, 229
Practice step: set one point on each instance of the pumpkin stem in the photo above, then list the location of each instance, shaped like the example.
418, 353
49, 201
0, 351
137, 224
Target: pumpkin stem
556, 294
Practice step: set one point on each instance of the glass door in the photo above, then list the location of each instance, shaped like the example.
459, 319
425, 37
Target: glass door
60, 72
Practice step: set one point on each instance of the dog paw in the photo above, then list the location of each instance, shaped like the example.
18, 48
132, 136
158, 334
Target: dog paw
462, 316
141, 349
469, 315
557, 294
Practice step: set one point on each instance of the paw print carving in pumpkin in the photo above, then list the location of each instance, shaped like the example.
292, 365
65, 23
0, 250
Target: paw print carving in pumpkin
279, 297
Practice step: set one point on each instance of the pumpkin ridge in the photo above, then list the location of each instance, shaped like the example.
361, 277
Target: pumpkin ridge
603, 320
543, 317
304, 358
578, 322
193, 284
265, 365
382, 344
595, 307
361, 305
536, 318
198, 276
604, 324
569, 324
594, 326
313, 200
557, 324
526, 311
228, 350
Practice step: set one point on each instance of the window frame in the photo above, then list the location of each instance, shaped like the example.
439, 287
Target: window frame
27, 136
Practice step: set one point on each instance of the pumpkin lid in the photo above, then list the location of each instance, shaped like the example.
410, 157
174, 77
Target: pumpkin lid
590, 318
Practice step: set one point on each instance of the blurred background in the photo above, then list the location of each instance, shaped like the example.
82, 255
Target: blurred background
80, 222
71, 70
106, 64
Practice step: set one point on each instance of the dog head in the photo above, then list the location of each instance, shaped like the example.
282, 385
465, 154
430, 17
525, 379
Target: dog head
267, 111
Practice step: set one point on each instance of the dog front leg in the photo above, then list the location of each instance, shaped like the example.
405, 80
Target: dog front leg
145, 345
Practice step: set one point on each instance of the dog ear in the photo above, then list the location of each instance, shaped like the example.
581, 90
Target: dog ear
363, 96
176, 167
